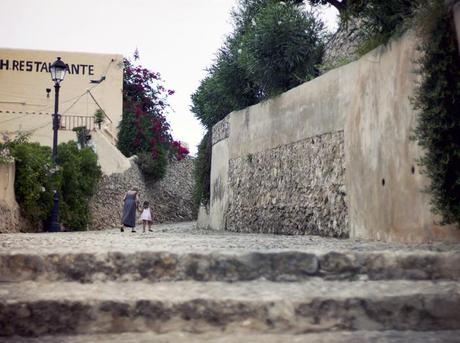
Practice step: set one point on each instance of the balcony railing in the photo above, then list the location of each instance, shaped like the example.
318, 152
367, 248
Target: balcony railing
69, 122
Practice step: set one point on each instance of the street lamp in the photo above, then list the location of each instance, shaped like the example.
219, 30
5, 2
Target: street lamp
57, 70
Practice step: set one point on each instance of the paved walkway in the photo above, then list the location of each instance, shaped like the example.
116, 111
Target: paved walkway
185, 237
182, 284
184, 337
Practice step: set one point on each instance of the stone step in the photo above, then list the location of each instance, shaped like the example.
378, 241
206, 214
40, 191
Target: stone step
242, 266
184, 337
34, 308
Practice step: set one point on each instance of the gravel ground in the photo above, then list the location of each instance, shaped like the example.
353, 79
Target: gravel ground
332, 337
185, 237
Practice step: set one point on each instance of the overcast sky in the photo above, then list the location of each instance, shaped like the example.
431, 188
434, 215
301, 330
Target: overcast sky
177, 38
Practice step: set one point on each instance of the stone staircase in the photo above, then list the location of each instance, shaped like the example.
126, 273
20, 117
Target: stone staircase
229, 297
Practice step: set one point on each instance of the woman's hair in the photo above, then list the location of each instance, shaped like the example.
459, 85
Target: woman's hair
146, 204
135, 189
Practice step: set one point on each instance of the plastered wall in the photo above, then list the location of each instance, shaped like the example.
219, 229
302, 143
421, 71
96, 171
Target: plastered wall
24, 78
93, 80
369, 101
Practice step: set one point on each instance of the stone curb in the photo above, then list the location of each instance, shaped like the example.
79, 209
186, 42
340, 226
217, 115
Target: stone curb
72, 308
273, 266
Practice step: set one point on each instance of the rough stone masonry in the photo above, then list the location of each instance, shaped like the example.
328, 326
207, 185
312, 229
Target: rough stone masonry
170, 198
297, 188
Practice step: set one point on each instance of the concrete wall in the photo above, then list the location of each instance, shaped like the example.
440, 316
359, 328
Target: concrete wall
383, 180
7, 172
109, 157
369, 101
9, 209
203, 217
219, 185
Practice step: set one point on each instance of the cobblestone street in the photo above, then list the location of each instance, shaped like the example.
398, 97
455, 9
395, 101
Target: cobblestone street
182, 284
185, 237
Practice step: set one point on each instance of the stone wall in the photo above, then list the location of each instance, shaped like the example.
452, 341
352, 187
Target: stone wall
170, 198
220, 131
342, 46
293, 189
367, 102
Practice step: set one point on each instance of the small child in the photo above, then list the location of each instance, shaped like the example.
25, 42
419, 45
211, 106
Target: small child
146, 216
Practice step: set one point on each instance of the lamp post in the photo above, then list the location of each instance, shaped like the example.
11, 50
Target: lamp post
57, 70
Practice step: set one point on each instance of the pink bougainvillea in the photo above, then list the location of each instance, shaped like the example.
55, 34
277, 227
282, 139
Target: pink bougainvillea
144, 128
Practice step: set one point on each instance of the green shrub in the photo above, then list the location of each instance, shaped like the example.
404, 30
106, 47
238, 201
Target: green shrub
202, 171
127, 133
438, 103
83, 135
281, 48
8, 144
380, 20
99, 117
33, 183
153, 168
325, 67
79, 174
75, 180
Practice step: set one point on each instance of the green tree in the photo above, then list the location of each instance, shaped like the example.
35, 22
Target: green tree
227, 87
274, 46
282, 48
380, 20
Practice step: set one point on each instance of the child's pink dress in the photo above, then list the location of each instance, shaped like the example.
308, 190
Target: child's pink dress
146, 215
